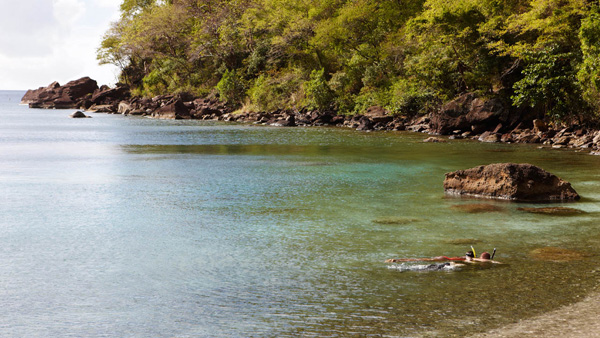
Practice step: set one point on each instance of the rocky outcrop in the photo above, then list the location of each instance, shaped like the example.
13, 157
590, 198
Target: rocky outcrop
469, 113
70, 96
509, 181
109, 96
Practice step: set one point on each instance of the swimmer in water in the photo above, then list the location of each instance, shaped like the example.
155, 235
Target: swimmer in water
483, 258
469, 257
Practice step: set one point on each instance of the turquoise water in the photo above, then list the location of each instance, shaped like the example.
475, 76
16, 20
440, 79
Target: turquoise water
127, 226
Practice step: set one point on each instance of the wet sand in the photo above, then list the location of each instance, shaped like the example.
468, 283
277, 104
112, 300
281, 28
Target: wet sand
577, 320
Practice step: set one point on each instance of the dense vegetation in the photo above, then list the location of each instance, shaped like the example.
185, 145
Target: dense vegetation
405, 55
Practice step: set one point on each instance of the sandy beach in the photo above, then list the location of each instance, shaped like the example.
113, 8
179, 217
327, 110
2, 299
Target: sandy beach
581, 319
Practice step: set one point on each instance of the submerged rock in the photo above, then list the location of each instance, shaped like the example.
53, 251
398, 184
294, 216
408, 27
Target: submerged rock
475, 208
557, 254
559, 211
395, 220
463, 241
509, 181
434, 140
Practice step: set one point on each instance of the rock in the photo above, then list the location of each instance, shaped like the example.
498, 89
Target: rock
539, 126
105, 95
510, 181
507, 138
173, 111
490, 137
475, 208
78, 114
55, 96
562, 140
434, 140
365, 124
558, 211
525, 136
33, 95
463, 241
124, 108
106, 108
289, 121
395, 220
418, 128
469, 112
584, 141
137, 112
554, 254
596, 139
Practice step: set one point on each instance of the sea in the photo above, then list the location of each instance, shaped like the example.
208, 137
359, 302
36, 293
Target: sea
116, 226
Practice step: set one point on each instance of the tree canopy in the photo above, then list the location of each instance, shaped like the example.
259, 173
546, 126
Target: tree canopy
405, 55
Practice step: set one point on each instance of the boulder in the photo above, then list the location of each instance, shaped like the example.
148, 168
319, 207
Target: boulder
106, 95
173, 111
78, 114
509, 181
490, 137
470, 113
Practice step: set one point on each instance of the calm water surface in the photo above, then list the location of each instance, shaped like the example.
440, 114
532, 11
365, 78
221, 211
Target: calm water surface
125, 226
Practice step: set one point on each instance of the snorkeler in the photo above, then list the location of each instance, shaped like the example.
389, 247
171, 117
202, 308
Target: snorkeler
468, 257
485, 257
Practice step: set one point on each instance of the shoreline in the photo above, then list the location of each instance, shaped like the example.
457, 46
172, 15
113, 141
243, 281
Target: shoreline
466, 117
576, 320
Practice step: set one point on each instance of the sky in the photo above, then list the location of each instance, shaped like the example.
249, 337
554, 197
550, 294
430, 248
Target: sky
42, 41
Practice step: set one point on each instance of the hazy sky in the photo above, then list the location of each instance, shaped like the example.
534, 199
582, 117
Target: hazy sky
42, 41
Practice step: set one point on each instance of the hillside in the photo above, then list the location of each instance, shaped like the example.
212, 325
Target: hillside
407, 56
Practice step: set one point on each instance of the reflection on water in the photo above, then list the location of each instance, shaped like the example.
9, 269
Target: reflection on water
130, 226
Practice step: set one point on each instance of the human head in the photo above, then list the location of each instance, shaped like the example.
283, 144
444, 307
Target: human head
470, 255
485, 255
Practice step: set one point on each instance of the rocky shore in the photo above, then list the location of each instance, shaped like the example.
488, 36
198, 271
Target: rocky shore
469, 116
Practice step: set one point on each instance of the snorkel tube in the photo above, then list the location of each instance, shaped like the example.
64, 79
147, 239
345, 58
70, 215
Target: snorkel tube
474, 253
493, 253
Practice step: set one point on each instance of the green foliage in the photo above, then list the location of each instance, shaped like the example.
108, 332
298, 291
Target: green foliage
278, 91
589, 69
549, 83
231, 87
409, 99
318, 93
407, 56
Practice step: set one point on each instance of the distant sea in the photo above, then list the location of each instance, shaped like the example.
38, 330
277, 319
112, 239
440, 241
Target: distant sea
132, 227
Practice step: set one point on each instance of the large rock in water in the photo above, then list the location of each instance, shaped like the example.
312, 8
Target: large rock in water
510, 181
55, 96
